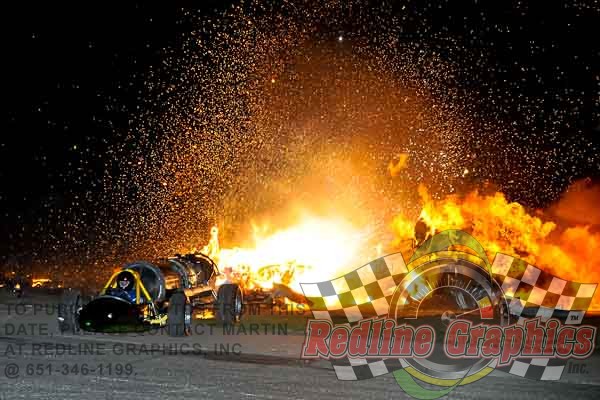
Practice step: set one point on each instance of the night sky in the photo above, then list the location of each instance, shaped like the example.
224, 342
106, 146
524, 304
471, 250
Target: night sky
104, 104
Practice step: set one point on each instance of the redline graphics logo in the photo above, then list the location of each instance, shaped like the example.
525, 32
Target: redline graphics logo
448, 318
385, 338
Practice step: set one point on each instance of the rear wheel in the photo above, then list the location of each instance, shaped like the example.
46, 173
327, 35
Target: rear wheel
179, 315
229, 303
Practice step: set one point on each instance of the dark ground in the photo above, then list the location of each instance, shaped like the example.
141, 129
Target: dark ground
266, 366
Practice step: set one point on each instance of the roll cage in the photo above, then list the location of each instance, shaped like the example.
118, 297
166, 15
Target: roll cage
139, 286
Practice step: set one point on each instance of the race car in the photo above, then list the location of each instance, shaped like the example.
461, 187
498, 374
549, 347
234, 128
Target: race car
144, 295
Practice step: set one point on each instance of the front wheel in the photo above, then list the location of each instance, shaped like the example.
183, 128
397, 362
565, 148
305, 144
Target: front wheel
229, 303
179, 315
71, 303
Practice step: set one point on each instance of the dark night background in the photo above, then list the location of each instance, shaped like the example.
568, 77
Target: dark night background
75, 78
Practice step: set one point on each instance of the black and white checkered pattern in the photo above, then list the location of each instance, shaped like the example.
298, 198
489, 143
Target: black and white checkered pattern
540, 368
534, 293
352, 369
363, 293
366, 292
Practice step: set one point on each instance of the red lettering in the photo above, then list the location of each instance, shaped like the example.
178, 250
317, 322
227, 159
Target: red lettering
315, 344
551, 326
534, 338
491, 344
403, 337
374, 346
457, 337
564, 341
423, 341
585, 341
359, 339
476, 335
513, 342
339, 341
385, 342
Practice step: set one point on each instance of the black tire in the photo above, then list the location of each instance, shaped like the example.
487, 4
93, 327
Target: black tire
71, 302
229, 303
179, 315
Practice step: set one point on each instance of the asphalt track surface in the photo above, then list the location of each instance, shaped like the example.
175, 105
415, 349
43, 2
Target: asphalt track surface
121, 367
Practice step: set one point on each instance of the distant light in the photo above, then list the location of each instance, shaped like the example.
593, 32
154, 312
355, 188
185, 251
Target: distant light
340, 38
272, 80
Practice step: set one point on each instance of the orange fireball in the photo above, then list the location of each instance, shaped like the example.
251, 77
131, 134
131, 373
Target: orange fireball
570, 252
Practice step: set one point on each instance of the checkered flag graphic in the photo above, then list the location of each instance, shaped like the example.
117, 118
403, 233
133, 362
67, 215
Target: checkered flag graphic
367, 291
363, 293
533, 293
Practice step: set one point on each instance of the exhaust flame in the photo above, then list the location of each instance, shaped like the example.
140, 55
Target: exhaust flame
313, 250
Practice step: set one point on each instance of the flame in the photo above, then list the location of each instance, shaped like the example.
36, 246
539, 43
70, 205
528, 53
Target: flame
402, 163
570, 252
313, 250
35, 282
318, 248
